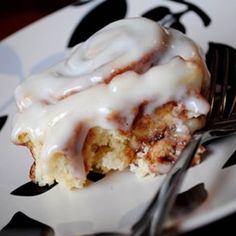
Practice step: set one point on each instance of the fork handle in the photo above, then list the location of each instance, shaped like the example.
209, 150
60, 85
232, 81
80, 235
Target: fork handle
155, 214
171, 184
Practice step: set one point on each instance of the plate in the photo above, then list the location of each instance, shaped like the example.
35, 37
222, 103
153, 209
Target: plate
114, 202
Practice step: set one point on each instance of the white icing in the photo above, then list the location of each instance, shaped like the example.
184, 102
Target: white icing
112, 48
179, 45
196, 105
50, 122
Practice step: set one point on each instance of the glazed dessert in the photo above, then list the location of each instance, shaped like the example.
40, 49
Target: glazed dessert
130, 96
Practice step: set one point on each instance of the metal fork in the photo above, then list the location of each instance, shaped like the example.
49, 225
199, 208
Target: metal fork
221, 122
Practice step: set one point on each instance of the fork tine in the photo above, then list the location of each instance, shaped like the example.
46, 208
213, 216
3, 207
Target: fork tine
213, 58
224, 83
233, 79
226, 122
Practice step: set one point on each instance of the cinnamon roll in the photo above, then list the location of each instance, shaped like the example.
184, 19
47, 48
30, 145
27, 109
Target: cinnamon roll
130, 96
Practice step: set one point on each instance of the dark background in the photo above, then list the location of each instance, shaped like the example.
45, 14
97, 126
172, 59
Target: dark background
15, 14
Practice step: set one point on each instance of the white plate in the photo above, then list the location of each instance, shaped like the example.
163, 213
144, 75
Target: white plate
116, 201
